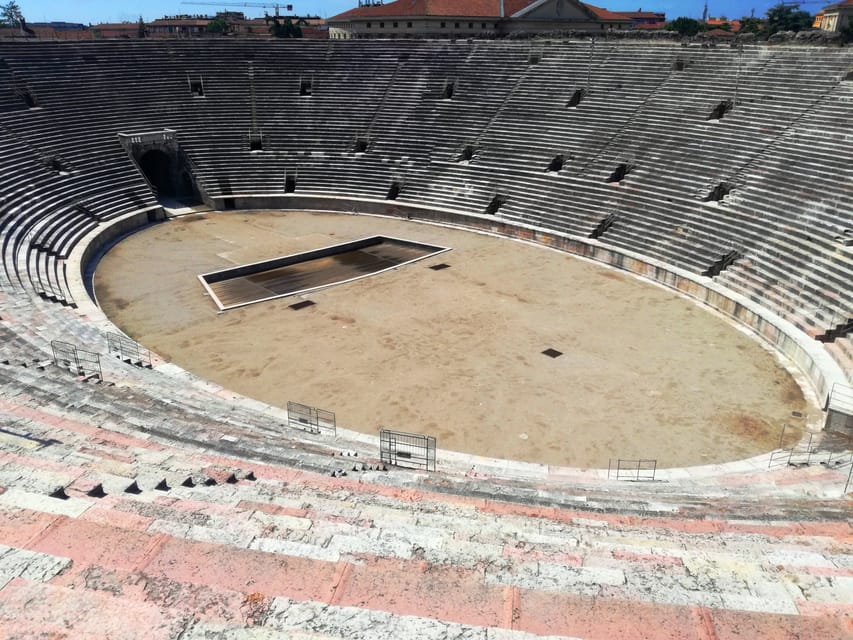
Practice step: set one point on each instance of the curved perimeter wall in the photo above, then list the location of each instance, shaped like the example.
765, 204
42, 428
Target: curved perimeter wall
809, 355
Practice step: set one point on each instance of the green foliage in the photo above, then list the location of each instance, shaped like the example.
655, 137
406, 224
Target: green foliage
750, 25
686, 26
217, 25
286, 30
787, 18
846, 34
140, 28
10, 14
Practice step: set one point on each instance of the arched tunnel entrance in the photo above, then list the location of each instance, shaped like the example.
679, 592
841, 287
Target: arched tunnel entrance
169, 174
159, 168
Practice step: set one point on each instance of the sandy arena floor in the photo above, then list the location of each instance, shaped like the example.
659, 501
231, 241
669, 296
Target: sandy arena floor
457, 353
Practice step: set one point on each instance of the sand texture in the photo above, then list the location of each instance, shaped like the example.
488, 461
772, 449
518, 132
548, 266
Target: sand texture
456, 353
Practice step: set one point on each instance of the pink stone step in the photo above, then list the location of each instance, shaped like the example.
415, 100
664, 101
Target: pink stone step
414, 587
18, 527
187, 600
36, 610
604, 619
735, 625
90, 542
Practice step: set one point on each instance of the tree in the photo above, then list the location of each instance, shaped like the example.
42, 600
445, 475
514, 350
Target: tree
140, 28
286, 30
685, 26
217, 25
11, 14
749, 24
787, 18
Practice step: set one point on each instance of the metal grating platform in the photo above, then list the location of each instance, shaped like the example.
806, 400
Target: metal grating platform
311, 270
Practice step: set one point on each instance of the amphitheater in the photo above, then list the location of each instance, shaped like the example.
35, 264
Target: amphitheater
141, 499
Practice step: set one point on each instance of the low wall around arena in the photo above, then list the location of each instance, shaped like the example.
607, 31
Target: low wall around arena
91, 246
809, 356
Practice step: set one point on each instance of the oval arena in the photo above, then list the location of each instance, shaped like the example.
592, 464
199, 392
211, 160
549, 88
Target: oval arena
634, 358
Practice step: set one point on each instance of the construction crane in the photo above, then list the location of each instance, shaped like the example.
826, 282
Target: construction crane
261, 5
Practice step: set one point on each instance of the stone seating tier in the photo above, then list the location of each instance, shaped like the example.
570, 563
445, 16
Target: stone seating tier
783, 147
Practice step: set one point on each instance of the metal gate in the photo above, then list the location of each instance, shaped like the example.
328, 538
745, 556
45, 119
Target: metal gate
638, 470
77, 361
65, 356
90, 364
407, 449
129, 350
311, 419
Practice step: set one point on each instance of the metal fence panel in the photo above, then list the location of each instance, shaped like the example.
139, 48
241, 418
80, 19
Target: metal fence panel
65, 356
638, 470
301, 416
326, 421
77, 361
127, 349
90, 364
407, 449
310, 419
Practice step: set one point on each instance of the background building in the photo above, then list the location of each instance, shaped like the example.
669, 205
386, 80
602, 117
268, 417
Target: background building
645, 19
460, 18
837, 16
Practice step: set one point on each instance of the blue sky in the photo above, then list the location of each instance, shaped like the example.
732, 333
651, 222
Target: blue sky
93, 11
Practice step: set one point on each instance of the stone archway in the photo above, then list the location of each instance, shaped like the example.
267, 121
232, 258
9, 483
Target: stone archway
158, 168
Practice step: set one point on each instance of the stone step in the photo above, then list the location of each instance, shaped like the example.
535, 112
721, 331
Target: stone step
174, 577
583, 554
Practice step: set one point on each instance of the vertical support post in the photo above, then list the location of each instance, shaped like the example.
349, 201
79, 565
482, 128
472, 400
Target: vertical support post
782, 436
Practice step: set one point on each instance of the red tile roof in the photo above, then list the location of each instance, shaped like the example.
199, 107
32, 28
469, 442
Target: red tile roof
455, 8
604, 14
719, 22
640, 14
179, 22
837, 5
718, 33
463, 9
